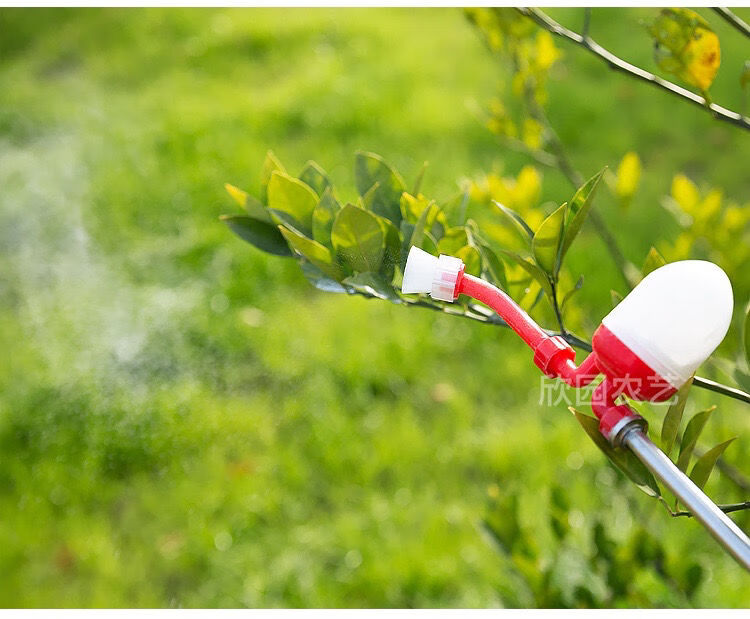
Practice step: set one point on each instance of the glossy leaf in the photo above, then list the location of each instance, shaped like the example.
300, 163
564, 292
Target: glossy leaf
317, 254
623, 459
323, 216
453, 240
424, 223
293, 197
578, 209
321, 281
531, 268
369, 169
706, 463
546, 242
471, 259
270, 165
412, 206
690, 437
315, 177
671, 424
262, 235
358, 238
253, 207
517, 221
373, 285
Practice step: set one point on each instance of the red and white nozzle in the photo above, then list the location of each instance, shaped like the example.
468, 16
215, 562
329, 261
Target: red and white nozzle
436, 276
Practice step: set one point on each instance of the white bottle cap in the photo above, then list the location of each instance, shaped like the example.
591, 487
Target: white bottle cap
675, 318
426, 273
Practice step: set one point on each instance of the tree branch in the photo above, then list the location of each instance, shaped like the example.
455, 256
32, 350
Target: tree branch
727, 509
618, 64
732, 19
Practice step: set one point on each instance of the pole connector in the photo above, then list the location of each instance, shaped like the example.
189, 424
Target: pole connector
618, 421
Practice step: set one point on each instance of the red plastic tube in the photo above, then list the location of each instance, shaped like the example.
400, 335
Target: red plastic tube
552, 354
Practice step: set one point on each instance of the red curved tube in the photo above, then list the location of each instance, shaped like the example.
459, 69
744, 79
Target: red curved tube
551, 353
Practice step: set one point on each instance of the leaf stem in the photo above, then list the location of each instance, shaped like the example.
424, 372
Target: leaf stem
618, 64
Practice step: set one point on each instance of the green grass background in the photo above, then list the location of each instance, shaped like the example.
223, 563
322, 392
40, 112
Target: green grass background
184, 421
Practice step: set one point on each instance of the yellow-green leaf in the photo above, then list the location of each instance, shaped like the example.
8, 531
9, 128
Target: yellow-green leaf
293, 197
270, 165
685, 193
313, 251
531, 268
578, 209
547, 240
706, 463
453, 240
358, 238
323, 216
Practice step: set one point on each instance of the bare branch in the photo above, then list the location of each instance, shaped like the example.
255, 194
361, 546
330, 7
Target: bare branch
618, 64
732, 19
727, 509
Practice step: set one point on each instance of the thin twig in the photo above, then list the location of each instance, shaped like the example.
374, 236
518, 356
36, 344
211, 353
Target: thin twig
732, 19
727, 509
618, 64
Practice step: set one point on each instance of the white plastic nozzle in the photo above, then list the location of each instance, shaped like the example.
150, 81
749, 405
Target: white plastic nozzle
426, 273
675, 318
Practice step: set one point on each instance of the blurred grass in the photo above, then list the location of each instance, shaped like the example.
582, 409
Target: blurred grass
183, 420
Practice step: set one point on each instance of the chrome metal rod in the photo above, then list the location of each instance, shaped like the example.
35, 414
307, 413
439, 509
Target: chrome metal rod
724, 530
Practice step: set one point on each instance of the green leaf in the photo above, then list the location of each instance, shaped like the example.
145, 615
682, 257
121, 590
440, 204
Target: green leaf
262, 235
653, 261
453, 240
392, 254
706, 463
317, 254
746, 336
578, 209
315, 177
546, 242
424, 223
412, 207
293, 197
373, 285
455, 207
270, 165
323, 215
369, 169
623, 459
253, 207
320, 280
358, 238
690, 437
492, 267
671, 424
571, 292
519, 224
471, 259
532, 269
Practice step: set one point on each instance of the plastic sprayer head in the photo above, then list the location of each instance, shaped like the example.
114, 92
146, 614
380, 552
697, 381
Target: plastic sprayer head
436, 276
672, 321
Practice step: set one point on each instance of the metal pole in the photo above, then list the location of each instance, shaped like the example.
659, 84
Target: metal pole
724, 530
